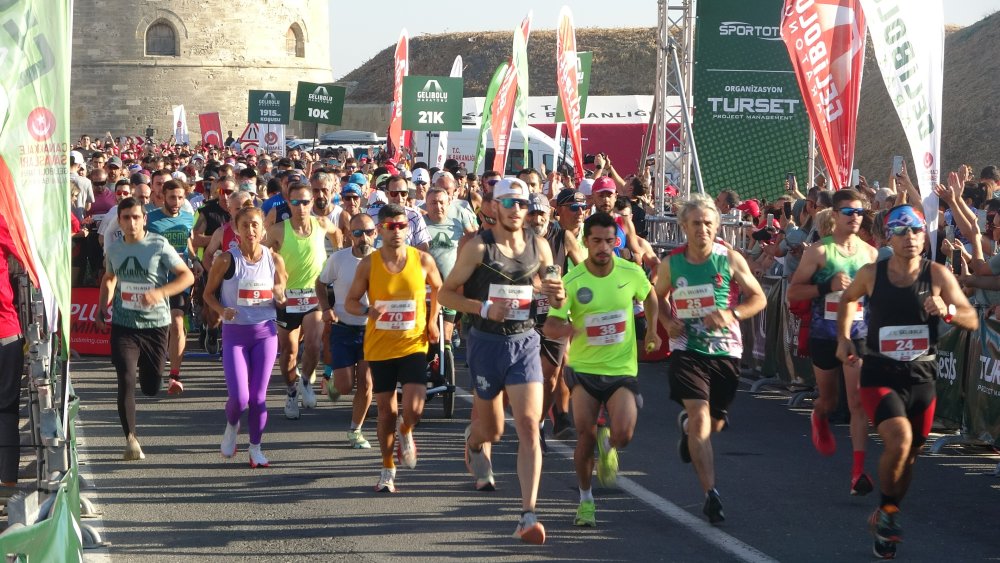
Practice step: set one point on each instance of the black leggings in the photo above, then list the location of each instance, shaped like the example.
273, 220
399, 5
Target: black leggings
11, 371
134, 350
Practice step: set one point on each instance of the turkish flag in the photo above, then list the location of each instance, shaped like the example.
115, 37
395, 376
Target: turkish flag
211, 129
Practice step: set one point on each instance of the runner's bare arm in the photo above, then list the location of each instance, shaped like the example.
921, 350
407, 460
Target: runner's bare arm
333, 233
280, 279
272, 216
214, 244
469, 257
662, 290
754, 300
275, 234
552, 288
433, 279
352, 304
183, 279
107, 291
573, 249
802, 287
198, 233
215, 276
951, 293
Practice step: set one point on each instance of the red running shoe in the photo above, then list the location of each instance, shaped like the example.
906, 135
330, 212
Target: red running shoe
822, 437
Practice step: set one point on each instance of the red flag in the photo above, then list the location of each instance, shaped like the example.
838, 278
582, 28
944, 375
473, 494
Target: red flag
566, 81
10, 207
502, 118
394, 140
826, 42
211, 129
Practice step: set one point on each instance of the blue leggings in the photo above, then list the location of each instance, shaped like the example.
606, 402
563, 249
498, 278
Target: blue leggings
248, 354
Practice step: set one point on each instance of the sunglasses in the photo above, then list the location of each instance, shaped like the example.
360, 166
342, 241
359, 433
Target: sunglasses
121, 192
848, 211
902, 230
349, 197
510, 202
420, 183
395, 226
576, 206
359, 232
104, 183
402, 193
302, 202
228, 192
492, 182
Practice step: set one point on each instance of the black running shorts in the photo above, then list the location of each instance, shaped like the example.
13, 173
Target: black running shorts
706, 378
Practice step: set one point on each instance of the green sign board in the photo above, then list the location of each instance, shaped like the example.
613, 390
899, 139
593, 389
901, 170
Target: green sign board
269, 106
749, 120
584, 62
320, 103
432, 103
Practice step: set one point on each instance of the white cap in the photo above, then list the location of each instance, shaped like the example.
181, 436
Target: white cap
377, 196
179, 176
441, 174
421, 175
75, 157
586, 186
510, 187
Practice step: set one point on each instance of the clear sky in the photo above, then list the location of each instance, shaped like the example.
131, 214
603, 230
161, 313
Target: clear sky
355, 38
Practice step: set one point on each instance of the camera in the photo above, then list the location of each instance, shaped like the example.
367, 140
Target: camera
588, 158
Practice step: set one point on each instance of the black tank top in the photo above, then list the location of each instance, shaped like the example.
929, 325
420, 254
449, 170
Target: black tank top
498, 278
893, 306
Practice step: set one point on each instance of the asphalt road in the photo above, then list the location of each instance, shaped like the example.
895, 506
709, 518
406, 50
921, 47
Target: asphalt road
783, 501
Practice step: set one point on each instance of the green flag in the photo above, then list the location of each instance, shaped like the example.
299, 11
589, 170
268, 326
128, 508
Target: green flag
484, 129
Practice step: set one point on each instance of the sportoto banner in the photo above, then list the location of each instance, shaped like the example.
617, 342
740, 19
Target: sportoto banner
826, 42
908, 40
395, 140
211, 129
568, 86
749, 119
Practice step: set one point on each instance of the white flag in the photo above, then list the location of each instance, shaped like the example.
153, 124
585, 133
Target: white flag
180, 126
908, 41
456, 72
272, 138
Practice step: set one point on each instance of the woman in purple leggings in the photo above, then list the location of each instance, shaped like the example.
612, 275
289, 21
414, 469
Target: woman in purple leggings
252, 279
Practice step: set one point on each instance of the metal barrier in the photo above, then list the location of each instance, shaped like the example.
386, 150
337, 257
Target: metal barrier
665, 232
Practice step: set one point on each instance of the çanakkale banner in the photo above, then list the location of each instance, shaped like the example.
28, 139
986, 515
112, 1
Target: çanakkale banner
749, 120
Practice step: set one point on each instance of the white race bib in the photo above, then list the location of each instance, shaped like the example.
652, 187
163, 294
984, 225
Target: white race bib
605, 328
301, 300
694, 301
831, 302
518, 296
904, 343
398, 315
254, 293
541, 303
132, 295
98, 219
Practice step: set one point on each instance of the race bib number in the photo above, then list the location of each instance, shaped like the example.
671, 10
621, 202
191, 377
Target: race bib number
398, 315
904, 343
254, 293
301, 300
604, 329
695, 301
541, 304
517, 296
98, 219
832, 302
132, 295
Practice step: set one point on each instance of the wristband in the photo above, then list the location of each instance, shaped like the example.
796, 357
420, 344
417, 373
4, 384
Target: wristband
736, 314
951, 313
364, 311
485, 309
824, 287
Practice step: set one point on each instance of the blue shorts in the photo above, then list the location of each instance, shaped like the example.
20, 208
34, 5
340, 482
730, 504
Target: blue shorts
496, 361
347, 345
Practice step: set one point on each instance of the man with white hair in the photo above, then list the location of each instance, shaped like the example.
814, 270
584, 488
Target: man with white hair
446, 181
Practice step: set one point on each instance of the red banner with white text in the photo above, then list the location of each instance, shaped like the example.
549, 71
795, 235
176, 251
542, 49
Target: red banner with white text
395, 140
567, 84
502, 117
84, 336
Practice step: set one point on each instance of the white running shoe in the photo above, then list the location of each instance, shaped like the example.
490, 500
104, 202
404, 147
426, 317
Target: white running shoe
481, 468
257, 458
406, 449
357, 440
386, 481
133, 451
292, 407
307, 393
228, 447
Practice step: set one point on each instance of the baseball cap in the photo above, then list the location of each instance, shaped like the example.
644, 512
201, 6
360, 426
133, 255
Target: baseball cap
420, 176
587, 186
904, 216
179, 176
115, 161
538, 202
358, 178
569, 195
442, 174
381, 181
75, 157
376, 200
135, 168
604, 184
510, 187
295, 176
350, 188
750, 206
212, 175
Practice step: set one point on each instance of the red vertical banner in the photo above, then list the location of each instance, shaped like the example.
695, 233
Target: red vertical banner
566, 83
395, 139
826, 43
502, 118
211, 129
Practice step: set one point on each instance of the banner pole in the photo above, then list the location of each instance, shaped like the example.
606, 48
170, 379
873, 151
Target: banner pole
812, 158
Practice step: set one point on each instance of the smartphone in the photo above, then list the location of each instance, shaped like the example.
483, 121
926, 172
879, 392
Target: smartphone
855, 177
552, 272
949, 233
981, 219
588, 158
897, 165
788, 209
790, 178
770, 221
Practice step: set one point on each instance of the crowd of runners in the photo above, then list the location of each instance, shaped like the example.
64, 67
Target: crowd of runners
349, 273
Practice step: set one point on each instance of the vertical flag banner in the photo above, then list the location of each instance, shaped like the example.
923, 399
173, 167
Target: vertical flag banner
520, 62
567, 84
211, 129
502, 117
484, 127
442, 152
181, 126
395, 140
908, 40
34, 147
826, 42
272, 138
749, 119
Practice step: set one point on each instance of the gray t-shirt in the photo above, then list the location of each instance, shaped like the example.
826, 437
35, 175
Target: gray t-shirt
339, 270
444, 242
140, 266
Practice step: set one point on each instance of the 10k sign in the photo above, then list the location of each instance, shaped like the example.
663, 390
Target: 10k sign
319, 103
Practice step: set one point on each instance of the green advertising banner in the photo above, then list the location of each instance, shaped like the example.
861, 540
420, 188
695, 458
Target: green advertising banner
269, 106
585, 61
320, 103
982, 388
432, 103
749, 121
952, 357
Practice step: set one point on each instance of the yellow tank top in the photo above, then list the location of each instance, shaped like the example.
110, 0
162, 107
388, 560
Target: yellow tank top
401, 330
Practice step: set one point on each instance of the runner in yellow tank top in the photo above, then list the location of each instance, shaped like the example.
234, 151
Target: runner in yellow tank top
397, 334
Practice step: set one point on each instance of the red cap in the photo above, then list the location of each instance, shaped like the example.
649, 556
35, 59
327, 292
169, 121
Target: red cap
604, 184
750, 206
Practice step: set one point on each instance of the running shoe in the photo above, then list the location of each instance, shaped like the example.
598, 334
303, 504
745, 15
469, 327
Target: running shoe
541, 438
386, 482
406, 449
713, 507
228, 447
305, 389
861, 485
331, 391
884, 549
607, 458
682, 444
530, 530
562, 426
357, 440
292, 407
481, 468
822, 436
884, 524
133, 451
257, 458
212, 340
176, 387
586, 514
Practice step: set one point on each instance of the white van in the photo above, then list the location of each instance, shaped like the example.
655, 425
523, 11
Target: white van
462, 147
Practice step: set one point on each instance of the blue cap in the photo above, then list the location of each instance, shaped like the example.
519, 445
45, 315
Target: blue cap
351, 188
904, 216
358, 178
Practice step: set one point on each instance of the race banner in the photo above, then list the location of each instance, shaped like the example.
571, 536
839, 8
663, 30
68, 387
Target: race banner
519, 60
85, 337
749, 120
269, 106
432, 103
952, 357
982, 389
568, 86
908, 40
401, 67
502, 118
181, 135
456, 72
584, 62
272, 139
211, 129
484, 127
34, 148
826, 42
319, 103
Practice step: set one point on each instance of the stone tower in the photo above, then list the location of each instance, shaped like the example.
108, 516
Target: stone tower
133, 60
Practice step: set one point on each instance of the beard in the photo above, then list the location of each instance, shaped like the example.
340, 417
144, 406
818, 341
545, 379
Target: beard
320, 204
364, 247
538, 230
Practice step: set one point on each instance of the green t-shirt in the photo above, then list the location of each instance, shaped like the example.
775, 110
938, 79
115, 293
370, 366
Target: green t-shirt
443, 245
140, 266
600, 309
